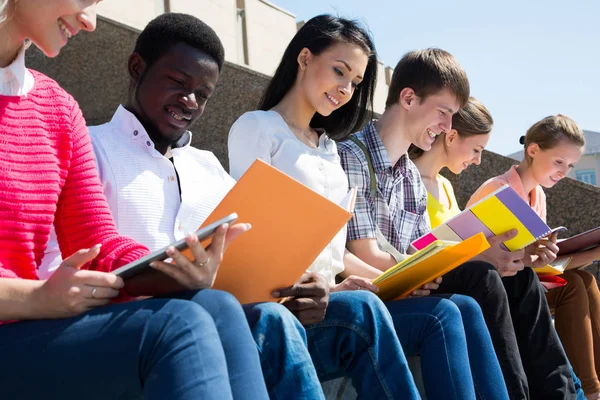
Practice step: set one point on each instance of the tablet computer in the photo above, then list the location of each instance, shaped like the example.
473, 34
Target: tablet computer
133, 268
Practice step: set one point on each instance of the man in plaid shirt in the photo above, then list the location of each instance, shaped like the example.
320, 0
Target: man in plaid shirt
427, 88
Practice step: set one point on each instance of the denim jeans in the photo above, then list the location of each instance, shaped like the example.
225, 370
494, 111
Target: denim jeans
150, 349
357, 340
243, 363
457, 356
286, 363
533, 362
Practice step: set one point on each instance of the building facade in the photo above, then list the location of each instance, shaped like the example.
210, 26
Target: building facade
254, 33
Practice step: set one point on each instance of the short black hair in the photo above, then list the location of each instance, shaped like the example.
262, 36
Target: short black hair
169, 29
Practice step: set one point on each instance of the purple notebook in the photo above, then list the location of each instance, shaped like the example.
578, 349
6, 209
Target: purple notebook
495, 214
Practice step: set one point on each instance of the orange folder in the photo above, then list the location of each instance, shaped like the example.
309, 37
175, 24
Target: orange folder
291, 225
435, 260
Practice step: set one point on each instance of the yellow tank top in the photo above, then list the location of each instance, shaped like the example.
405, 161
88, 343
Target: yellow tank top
438, 213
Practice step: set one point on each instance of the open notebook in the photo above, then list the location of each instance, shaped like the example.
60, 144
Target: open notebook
291, 225
556, 267
433, 261
583, 241
495, 214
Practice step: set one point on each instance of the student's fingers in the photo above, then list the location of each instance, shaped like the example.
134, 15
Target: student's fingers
309, 285
438, 280
99, 293
171, 270
99, 279
182, 264
217, 245
298, 304
234, 232
419, 293
79, 258
431, 286
198, 252
554, 237
518, 254
300, 291
545, 255
362, 283
496, 240
551, 246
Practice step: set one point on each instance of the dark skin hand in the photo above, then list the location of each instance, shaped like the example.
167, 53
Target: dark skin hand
307, 299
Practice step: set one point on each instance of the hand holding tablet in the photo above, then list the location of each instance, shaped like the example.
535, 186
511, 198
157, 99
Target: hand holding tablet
157, 258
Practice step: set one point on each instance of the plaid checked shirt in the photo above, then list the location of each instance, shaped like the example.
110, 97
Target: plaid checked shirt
400, 207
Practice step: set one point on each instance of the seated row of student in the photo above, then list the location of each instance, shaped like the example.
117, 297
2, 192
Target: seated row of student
70, 342
511, 298
127, 203
463, 146
174, 70
552, 147
323, 87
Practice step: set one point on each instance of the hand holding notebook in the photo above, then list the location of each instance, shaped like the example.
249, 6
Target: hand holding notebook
495, 214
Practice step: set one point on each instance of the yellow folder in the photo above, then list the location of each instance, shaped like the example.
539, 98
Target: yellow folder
426, 265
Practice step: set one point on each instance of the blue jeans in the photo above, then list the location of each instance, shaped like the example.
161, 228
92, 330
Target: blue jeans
286, 363
150, 349
243, 363
457, 356
357, 339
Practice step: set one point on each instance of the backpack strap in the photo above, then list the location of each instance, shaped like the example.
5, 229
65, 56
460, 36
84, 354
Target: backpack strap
383, 243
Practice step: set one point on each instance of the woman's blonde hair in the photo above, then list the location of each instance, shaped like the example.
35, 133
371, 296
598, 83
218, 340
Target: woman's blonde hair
3, 11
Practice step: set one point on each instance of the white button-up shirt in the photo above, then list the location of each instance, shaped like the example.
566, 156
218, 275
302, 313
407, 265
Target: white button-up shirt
15, 79
265, 135
142, 185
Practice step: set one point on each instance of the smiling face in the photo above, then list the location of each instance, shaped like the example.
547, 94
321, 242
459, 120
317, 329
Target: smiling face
551, 165
427, 118
464, 151
330, 78
49, 24
170, 95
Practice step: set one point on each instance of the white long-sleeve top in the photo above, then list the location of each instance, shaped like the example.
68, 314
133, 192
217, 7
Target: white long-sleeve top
265, 135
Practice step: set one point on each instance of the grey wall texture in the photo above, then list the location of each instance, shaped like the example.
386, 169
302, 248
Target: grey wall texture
93, 68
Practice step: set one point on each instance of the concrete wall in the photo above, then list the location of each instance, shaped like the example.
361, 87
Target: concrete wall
269, 29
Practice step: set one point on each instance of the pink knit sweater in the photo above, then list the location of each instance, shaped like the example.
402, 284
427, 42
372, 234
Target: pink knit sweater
48, 174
